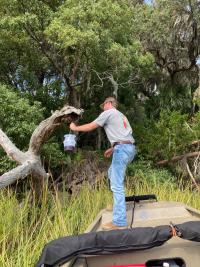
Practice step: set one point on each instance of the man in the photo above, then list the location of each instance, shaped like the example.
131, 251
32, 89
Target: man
119, 133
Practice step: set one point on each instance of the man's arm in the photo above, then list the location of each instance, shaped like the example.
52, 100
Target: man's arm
84, 128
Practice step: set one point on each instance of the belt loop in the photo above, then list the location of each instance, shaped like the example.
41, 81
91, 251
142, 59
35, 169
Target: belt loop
114, 144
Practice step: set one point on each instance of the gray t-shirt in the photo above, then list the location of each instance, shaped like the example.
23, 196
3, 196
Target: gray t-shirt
116, 125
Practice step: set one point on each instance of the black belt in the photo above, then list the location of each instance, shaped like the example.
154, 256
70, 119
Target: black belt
122, 142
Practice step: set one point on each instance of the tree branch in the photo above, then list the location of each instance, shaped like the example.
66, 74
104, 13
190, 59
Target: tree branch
12, 176
46, 127
30, 160
12, 151
176, 158
115, 85
192, 177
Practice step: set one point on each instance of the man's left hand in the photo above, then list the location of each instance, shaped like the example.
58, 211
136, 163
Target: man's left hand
108, 152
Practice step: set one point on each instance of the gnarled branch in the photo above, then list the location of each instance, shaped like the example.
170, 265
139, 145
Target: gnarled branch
30, 161
12, 151
46, 127
10, 177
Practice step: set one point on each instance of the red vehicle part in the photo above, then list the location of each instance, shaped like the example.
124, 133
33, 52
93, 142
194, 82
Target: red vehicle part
130, 265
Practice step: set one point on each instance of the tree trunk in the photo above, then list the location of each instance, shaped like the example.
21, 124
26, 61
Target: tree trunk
30, 162
99, 137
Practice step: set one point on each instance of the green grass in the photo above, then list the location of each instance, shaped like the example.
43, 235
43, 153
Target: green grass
25, 228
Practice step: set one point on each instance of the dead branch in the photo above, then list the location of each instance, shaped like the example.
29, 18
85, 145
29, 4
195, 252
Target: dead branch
192, 177
115, 85
196, 142
12, 151
177, 158
30, 162
48, 126
10, 177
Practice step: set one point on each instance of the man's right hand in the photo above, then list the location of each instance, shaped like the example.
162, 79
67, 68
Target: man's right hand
108, 152
73, 126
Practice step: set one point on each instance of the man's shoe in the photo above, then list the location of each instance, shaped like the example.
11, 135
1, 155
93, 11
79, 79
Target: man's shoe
111, 226
109, 207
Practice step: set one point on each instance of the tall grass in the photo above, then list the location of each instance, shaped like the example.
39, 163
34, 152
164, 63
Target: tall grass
26, 227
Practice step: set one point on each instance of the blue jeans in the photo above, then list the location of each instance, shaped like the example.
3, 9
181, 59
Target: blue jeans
122, 155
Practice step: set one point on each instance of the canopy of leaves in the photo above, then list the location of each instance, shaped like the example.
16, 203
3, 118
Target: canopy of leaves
18, 118
56, 51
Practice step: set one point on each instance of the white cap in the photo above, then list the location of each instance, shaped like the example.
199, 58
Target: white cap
165, 264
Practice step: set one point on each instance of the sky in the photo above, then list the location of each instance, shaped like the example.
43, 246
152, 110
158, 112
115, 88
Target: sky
148, 1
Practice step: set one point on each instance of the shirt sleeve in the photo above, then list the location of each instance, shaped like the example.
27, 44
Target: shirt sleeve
102, 119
